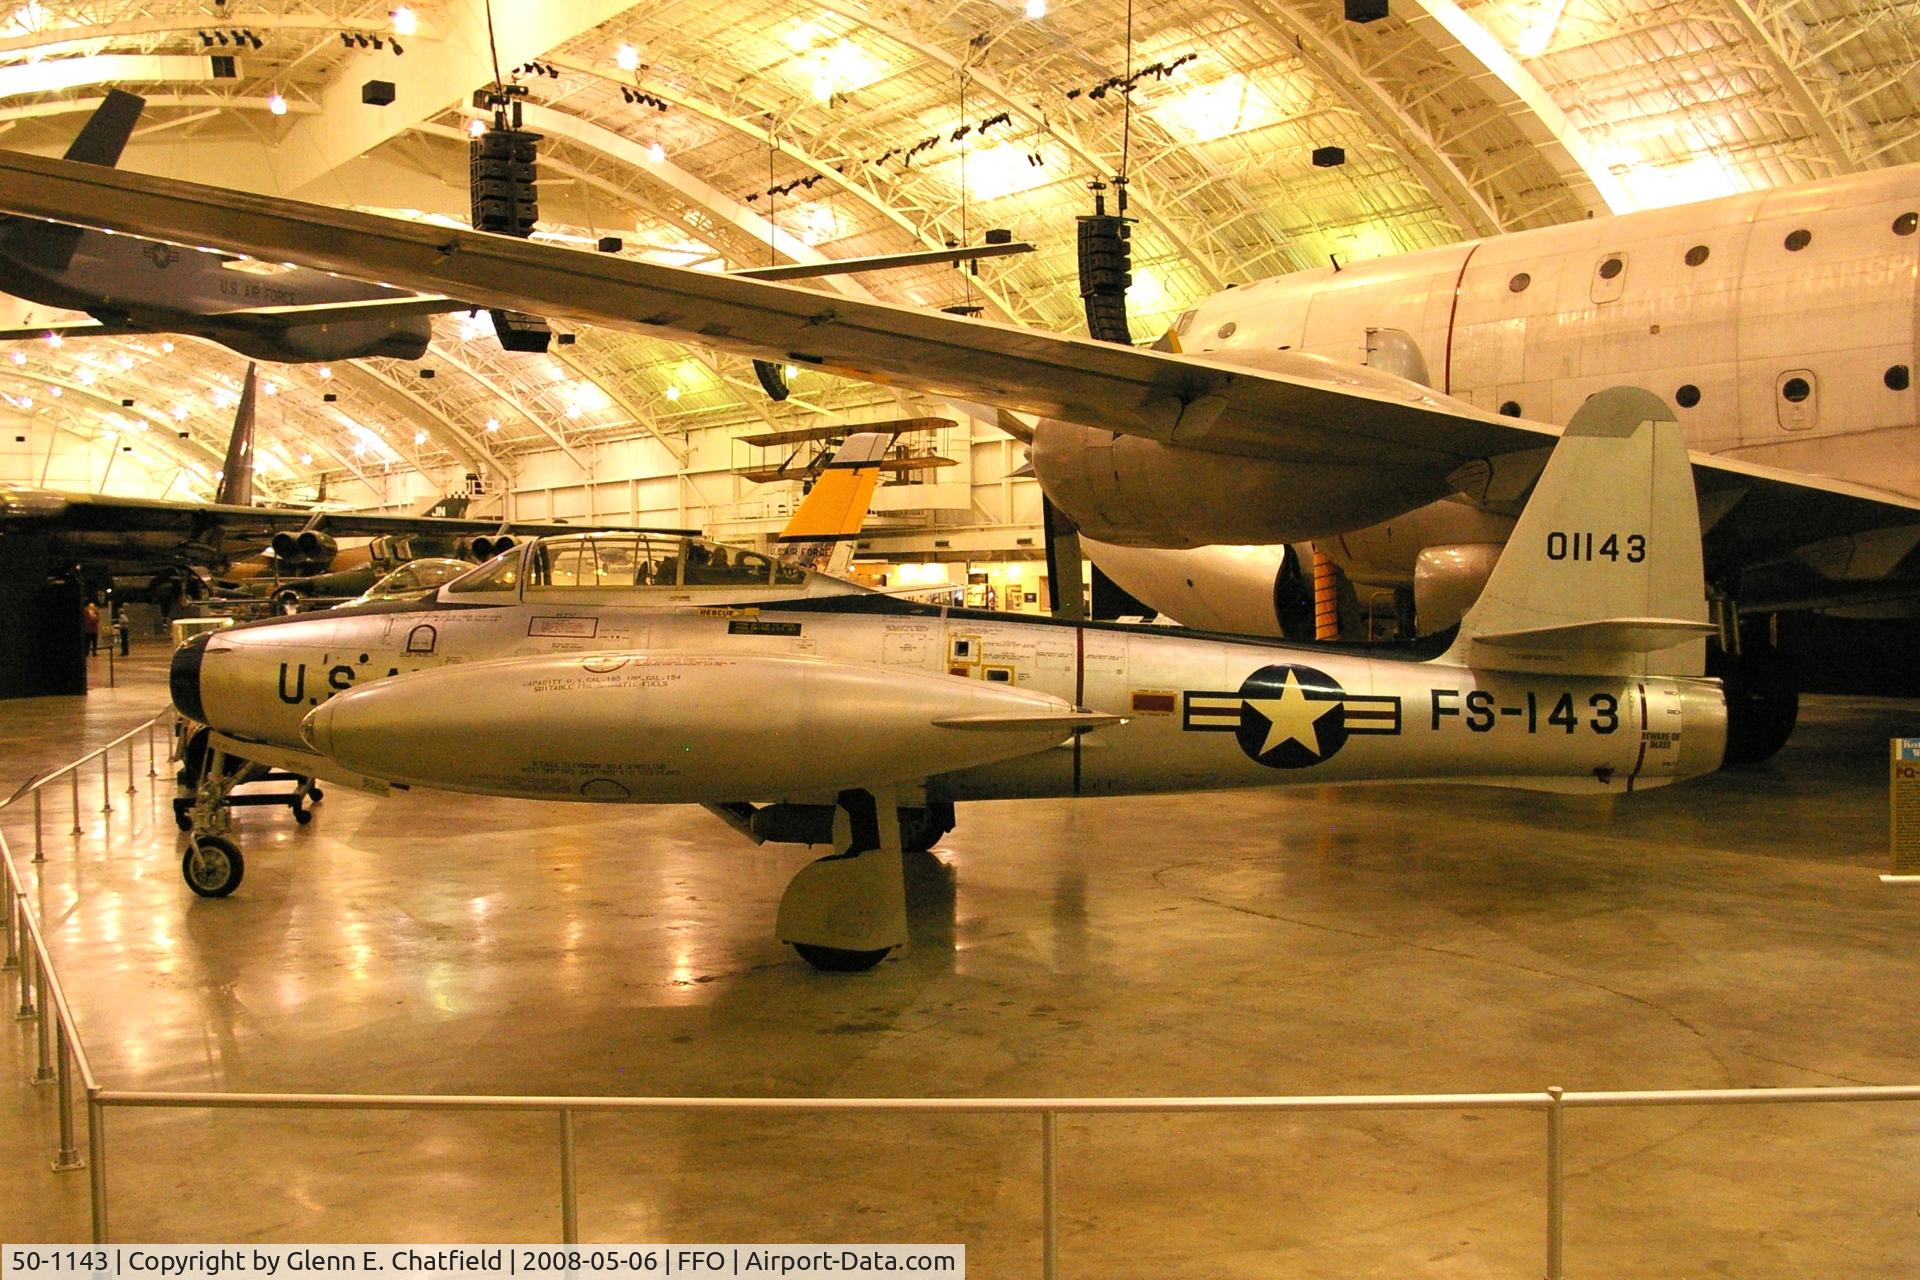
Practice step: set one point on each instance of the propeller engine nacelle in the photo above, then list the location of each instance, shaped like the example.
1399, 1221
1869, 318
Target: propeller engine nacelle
1447, 580
401, 338
1139, 492
1252, 591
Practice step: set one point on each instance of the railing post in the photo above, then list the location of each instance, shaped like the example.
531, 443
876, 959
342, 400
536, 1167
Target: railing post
97, 1158
150, 772
106, 781
13, 925
1556, 1184
569, 1190
67, 1157
44, 1073
131, 788
1049, 1211
73, 776
26, 984
39, 842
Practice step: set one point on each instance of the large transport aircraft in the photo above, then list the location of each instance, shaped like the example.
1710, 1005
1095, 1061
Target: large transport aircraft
1272, 444
861, 720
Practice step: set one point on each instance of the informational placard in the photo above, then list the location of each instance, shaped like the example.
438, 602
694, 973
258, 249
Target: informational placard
1903, 803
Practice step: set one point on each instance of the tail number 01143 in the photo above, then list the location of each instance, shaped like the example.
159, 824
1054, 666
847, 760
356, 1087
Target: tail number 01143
1592, 546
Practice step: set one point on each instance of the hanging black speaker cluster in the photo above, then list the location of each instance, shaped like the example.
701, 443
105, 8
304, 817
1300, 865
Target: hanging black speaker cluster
1106, 269
502, 167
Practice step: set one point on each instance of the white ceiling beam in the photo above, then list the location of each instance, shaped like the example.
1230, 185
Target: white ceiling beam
1456, 37
434, 75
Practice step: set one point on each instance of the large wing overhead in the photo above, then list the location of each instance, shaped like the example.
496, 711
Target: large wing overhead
1318, 414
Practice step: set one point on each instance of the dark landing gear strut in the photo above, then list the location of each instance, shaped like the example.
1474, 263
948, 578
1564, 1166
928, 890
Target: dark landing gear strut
845, 912
1763, 689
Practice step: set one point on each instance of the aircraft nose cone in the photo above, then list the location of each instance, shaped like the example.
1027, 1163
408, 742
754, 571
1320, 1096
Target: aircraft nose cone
183, 678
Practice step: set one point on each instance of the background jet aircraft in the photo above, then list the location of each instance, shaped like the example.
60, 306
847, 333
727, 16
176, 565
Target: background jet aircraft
102, 285
1576, 671
1300, 445
264, 311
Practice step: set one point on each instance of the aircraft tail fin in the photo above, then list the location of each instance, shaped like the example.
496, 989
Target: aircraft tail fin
1603, 573
51, 245
822, 529
236, 474
104, 136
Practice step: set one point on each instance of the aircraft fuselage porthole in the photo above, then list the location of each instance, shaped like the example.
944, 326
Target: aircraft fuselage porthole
1511, 408
1519, 283
1898, 378
1697, 255
1904, 224
1798, 240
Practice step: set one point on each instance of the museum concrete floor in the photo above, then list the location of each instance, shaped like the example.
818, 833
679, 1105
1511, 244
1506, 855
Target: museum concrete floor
1728, 932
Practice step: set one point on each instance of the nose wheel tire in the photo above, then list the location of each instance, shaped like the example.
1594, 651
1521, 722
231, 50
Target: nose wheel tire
839, 959
212, 866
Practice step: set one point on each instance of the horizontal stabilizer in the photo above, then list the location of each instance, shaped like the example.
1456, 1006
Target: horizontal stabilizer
1612, 635
1065, 721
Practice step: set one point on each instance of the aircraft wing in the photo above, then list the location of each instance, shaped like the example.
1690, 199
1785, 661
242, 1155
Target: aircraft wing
1318, 412
143, 535
1314, 412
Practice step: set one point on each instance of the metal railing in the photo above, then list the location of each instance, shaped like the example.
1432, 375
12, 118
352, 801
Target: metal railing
62, 1054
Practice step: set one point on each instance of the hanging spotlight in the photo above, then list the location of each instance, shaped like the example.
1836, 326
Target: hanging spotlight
397, 50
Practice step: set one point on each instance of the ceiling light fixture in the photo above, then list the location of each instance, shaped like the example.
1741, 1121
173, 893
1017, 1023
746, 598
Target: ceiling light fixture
277, 105
627, 58
404, 21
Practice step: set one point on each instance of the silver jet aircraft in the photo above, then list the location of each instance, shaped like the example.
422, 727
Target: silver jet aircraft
543, 674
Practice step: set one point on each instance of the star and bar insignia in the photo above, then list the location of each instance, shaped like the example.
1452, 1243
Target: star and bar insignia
1289, 716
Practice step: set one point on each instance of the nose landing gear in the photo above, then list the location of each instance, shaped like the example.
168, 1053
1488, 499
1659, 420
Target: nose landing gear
212, 864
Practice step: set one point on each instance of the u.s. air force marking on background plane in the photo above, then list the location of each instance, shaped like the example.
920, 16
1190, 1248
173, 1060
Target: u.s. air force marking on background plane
545, 673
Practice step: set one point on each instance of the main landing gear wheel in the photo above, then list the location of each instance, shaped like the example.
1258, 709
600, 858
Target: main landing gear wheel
212, 866
839, 959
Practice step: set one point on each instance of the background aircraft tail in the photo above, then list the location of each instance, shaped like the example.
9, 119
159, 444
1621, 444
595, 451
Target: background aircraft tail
821, 532
101, 140
1603, 573
236, 474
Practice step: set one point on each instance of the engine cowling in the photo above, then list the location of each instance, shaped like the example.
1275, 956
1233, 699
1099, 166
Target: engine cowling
314, 548
485, 547
1132, 491
401, 338
1448, 579
1248, 590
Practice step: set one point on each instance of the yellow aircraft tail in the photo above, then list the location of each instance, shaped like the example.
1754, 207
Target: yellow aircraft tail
823, 527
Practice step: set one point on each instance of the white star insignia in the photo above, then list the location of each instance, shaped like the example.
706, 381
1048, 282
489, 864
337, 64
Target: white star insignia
1291, 717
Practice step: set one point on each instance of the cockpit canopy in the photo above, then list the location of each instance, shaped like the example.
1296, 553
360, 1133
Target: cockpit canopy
642, 564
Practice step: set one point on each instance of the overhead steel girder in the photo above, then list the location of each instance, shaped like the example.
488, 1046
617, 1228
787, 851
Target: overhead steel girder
1468, 45
52, 38
730, 210
439, 74
512, 402
1024, 110
163, 430
306, 438
1335, 68
1777, 43
462, 445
